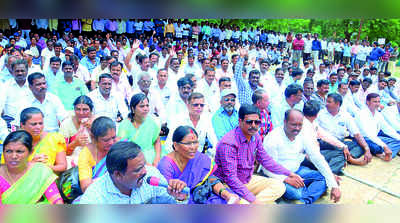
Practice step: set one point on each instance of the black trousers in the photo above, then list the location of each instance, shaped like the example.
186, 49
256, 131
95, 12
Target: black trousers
333, 156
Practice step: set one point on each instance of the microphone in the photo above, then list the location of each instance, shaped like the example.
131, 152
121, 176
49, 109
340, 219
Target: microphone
154, 181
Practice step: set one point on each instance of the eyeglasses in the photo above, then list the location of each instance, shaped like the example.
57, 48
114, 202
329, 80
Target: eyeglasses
146, 81
250, 122
195, 143
231, 100
198, 105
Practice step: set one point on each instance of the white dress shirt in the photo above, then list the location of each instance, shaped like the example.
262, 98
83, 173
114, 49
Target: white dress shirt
278, 109
211, 94
349, 105
175, 106
52, 108
290, 154
33, 69
82, 73
108, 107
275, 91
392, 116
370, 125
341, 125
165, 93
123, 88
12, 97
204, 128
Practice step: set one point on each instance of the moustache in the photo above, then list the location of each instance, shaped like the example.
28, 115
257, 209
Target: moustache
253, 129
140, 178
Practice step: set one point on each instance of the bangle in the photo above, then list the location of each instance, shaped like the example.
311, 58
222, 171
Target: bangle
221, 190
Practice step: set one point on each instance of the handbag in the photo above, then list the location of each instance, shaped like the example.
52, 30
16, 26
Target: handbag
201, 193
68, 185
203, 190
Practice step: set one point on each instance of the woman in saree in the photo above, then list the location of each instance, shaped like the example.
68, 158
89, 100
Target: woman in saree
75, 129
24, 182
92, 158
141, 129
193, 168
48, 147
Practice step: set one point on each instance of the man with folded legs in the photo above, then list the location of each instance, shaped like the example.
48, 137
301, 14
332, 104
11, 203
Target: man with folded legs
235, 157
289, 145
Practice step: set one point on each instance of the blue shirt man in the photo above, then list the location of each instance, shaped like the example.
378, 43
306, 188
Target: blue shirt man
245, 88
91, 61
226, 117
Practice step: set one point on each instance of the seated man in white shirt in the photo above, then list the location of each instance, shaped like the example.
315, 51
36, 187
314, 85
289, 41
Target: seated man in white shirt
292, 99
334, 151
288, 145
107, 102
392, 115
383, 140
340, 124
177, 102
13, 91
48, 103
348, 101
162, 88
209, 88
196, 117
120, 83
275, 86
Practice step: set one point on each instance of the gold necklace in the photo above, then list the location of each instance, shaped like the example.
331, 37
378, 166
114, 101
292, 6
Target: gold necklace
180, 165
9, 176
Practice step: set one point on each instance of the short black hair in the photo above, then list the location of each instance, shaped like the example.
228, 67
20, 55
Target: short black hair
367, 79
184, 81
322, 82
311, 108
354, 82
336, 98
67, 63
90, 49
292, 89
55, 59
372, 96
116, 63
105, 75
119, 154
247, 109
222, 79
308, 80
341, 84
34, 76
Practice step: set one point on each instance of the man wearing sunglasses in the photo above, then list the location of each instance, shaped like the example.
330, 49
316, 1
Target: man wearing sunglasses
235, 156
226, 117
197, 118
